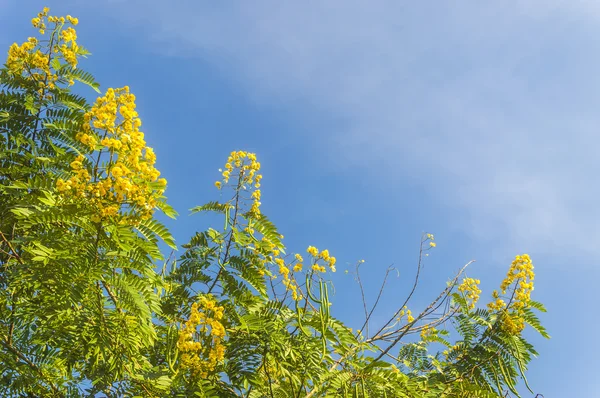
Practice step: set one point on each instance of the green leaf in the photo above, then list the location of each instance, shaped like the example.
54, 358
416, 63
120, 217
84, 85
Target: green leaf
152, 226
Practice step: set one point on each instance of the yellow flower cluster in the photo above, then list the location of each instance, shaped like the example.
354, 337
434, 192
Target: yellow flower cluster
270, 253
67, 45
289, 284
497, 304
284, 270
427, 332
405, 311
78, 182
69, 35
203, 355
68, 18
38, 22
129, 177
521, 274
512, 323
245, 167
521, 271
470, 289
299, 261
31, 62
323, 255
430, 238
19, 56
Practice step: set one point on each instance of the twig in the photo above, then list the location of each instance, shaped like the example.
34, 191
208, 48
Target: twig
364, 301
234, 218
414, 287
32, 365
266, 366
409, 325
368, 317
10, 246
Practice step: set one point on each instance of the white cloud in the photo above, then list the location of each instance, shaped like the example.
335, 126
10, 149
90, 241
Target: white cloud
498, 100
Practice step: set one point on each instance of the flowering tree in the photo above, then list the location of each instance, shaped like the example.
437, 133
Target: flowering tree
87, 310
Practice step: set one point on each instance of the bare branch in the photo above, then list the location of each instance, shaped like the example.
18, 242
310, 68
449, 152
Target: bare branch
368, 317
414, 287
364, 300
433, 303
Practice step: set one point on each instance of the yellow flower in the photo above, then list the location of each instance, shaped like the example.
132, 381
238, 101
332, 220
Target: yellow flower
73, 21
521, 270
470, 289
69, 35
432, 244
218, 184
313, 251
125, 178
279, 261
426, 332
205, 318
496, 305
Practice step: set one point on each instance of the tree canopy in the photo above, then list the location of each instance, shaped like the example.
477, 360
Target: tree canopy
91, 305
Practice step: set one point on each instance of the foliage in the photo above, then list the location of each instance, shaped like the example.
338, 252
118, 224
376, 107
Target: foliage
84, 311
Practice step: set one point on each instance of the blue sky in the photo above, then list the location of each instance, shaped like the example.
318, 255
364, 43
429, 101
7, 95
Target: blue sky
476, 121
